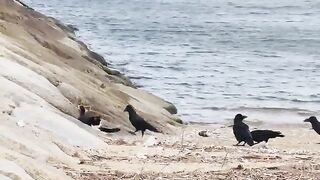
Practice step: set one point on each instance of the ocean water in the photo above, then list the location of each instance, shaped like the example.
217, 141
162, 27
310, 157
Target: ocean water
211, 58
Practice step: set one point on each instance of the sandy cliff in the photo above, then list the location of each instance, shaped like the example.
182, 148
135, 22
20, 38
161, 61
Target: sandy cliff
45, 73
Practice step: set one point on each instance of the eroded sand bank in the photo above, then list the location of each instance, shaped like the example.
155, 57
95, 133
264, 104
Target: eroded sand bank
46, 72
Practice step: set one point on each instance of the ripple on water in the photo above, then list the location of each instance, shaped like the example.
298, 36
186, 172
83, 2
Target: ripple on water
211, 58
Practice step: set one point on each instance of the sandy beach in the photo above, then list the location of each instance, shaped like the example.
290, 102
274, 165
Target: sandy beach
46, 73
190, 156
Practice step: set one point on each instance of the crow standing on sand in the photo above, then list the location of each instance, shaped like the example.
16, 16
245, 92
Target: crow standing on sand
138, 122
264, 135
315, 123
241, 131
90, 119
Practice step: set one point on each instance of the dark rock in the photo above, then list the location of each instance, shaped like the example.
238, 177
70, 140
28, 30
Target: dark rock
171, 108
68, 29
103, 86
178, 120
73, 28
203, 133
97, 57
111, 71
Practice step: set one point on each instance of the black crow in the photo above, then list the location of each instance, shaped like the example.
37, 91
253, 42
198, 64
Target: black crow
91, 119
315, 123
88, 118
264, 135
241, 131
138, 122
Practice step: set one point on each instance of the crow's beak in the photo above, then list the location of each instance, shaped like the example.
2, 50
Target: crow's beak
306, 120
244, 117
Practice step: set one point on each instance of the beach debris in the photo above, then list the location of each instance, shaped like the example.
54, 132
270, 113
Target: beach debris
141, 156
120, 142
203, 133
273, 168
20, 123
239, 167
208, 148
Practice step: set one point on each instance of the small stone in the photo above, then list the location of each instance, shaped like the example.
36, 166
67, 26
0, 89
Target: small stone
239, 167
203, 134
21, 123
103, 86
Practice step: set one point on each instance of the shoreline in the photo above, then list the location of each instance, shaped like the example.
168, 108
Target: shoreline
250, 123
46, 74
280, 100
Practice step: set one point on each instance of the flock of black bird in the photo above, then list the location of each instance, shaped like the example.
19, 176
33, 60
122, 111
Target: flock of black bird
242, 133
241, 130
91, 119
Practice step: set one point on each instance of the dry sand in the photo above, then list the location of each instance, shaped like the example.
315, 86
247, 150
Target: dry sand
190, 156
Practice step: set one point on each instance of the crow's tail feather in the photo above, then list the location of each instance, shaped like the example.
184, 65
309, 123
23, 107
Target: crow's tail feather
152, 128
277, 134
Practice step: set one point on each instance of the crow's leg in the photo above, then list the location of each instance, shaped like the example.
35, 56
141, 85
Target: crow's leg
237, 143
142, 133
